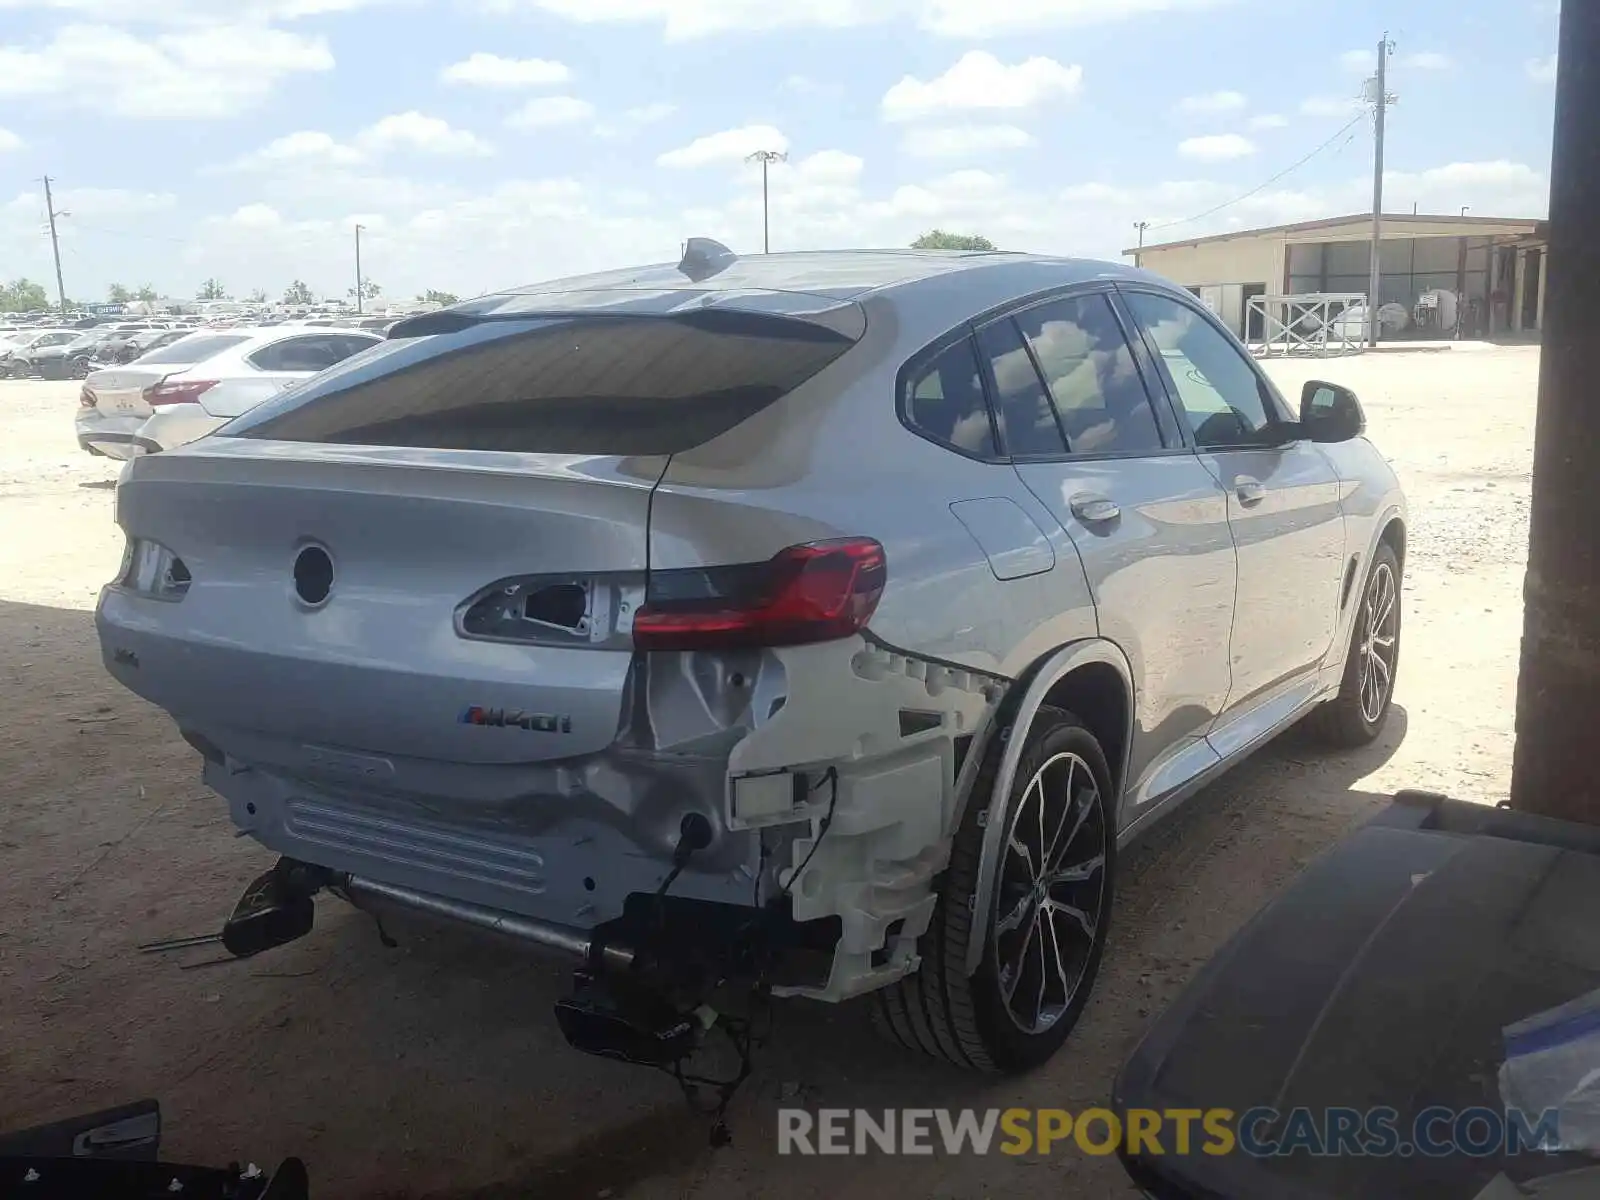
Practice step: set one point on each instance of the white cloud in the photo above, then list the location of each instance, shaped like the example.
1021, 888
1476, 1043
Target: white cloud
1361, 62
1330, 106
9, 141
1269, 121
1492, 188
1220, 147
1212, 103
427, 135
492, 71
806, 85
1428, 60
964, 141
684, 19
310, 146
192, 12
1365, 62
981, 81
113, 202
546, 112
649, 114
203, 71
731, 145
1542, 70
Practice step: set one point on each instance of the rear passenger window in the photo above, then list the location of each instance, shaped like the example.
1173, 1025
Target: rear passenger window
945, 401
1090, 370
1027, 422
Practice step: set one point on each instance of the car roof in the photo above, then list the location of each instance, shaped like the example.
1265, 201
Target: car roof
941, 287
844, 274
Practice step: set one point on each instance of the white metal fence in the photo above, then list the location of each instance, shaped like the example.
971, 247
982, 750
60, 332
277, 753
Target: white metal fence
1314, 324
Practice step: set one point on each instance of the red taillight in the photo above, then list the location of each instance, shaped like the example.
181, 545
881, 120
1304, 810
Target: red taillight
86, 398
818, 592
187, 391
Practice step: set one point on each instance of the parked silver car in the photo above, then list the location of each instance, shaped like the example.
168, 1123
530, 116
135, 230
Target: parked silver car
855, 607
199, 382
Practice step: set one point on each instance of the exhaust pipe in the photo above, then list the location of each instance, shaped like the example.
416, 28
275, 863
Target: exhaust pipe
366, 892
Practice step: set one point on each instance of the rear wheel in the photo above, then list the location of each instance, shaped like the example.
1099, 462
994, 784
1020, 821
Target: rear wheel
1357, 715
1047, 920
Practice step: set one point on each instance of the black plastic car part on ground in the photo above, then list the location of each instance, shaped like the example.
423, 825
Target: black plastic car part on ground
1380, 979
113, 1154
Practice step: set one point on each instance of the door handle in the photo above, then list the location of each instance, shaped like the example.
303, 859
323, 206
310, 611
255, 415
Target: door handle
1249, 491
1094, 509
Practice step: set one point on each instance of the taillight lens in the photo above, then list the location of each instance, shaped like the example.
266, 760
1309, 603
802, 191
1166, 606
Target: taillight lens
186, 391
818, 592
86, 398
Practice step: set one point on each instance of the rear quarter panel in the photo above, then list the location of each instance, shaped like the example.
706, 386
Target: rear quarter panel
832, 459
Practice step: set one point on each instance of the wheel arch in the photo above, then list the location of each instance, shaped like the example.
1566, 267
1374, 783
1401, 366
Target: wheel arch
1092, 672
1392, 533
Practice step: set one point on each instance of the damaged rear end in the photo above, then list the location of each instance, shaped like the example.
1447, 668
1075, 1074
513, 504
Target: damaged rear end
416, 616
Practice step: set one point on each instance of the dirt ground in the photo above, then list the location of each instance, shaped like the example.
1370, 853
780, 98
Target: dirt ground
436, 1069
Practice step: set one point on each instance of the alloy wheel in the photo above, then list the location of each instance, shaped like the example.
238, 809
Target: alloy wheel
1051, 893
1379, 644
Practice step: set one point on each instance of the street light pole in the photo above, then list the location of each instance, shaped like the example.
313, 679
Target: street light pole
766, 158
1141, 226
359, 228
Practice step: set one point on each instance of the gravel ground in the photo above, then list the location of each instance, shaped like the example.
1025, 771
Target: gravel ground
435, 1069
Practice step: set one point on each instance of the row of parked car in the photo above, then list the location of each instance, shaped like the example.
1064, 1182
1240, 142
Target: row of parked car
187, 385
49, 352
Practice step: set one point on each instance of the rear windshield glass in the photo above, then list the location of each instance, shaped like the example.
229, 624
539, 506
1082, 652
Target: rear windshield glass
556, 385
193, 349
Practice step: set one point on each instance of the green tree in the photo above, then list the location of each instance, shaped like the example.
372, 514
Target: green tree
297, 293
146, 292
369, 290
938, 239
433, 297
259, 296
23, 295
212, 289
118, 294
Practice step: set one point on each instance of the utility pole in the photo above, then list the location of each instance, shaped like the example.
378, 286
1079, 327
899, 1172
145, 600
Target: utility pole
55, 243
766, 158
1141, 226
1380, 103
359, 228
1558, 691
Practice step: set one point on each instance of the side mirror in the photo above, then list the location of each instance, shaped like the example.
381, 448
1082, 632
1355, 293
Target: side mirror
1330, 413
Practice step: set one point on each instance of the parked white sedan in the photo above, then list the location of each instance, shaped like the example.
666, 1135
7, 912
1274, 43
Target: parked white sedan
198, 383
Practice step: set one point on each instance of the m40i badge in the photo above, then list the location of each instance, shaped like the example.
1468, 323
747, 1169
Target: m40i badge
515, 718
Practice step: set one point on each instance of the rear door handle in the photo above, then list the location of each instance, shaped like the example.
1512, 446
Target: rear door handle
1249, 491
1094, 509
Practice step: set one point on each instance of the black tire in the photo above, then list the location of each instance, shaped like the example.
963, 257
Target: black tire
968, 1021
1357, 715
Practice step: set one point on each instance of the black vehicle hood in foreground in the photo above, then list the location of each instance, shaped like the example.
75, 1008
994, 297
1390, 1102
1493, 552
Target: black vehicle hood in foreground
1381, 978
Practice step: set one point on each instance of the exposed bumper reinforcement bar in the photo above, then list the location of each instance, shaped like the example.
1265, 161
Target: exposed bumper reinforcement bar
370, 893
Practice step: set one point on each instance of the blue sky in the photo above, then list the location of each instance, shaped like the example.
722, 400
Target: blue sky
486, 143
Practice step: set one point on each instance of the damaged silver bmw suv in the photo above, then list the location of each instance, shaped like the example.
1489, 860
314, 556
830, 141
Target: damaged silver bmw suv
830, 617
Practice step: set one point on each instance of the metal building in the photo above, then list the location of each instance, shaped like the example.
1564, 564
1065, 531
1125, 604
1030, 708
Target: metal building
1494, 266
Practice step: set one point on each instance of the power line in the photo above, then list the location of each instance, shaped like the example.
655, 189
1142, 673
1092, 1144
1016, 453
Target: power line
1289, 170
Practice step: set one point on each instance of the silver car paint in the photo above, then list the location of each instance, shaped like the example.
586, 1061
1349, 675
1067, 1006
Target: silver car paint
993, 578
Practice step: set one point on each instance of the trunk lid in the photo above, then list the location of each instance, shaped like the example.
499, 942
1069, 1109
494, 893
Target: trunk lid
119, 391
379, 666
